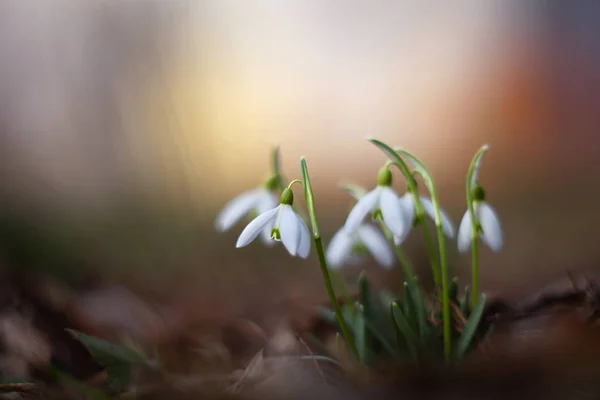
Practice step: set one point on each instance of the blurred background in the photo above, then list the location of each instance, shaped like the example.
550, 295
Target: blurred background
126, 126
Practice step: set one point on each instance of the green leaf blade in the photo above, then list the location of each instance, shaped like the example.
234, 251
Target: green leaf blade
468, 334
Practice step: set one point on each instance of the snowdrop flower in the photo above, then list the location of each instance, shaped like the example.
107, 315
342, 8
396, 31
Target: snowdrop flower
410, 208
489, 228
257, 200
382, 202
345, 246
284, 224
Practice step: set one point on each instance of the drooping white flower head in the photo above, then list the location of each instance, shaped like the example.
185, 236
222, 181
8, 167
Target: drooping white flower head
382, 200
410, 207
489, 228
284, 224
345, 246
257, 200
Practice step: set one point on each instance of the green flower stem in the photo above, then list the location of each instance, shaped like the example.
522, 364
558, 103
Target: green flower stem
395, 155
446, 311
445, 285
475, 272
472, 178
413, 188
401, 256
340, 285
276, 159
435, 267
409, 271
310, 204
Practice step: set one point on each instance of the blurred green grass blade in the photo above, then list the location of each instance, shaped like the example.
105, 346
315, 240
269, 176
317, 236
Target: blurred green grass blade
419, 311
360, 335
328, 315
106, 353
375, 333
403, 329
465, 340
409, 307
465, 304
386, 298
119, 361
453, 290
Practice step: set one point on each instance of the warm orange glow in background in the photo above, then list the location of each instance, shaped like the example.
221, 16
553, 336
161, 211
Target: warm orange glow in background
173, 108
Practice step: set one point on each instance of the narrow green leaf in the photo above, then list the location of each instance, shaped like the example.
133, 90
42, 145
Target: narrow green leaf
465, 304
420, 167
409, 309
404, 329
400, 163
386, 298
310, 199
473, 171
377, 334
120, 376
106, 353
416, 310
365, 293
328, 315
453, 290
360, 335
466, 338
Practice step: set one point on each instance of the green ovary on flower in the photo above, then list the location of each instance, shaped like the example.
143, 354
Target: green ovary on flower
287, 196
384, 178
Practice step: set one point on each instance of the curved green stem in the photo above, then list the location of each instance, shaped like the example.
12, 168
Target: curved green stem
445, 283
276, 159
472, 178
394, 155
310, 204
413, 188
340, 285
435, 267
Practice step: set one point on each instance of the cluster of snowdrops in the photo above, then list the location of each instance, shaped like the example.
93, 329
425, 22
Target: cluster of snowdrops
378, 224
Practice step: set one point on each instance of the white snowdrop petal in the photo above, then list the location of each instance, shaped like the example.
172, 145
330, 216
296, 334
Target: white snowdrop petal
377, 244
339, 248
237, 208
399, 239
393, 213
447, 224
490, 224
429, 209
305, 238
267, 201
362, 208
465, 231
256, 226
408, 202
289, 228
265, 235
